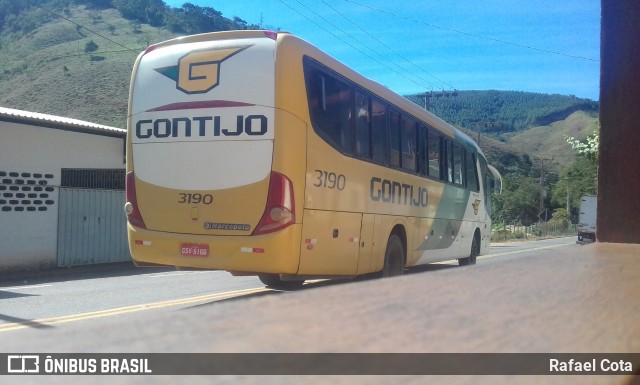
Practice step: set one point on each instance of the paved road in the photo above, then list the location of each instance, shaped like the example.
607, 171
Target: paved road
550, 296
95, 294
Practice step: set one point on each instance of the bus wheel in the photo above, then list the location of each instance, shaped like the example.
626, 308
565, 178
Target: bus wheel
475, 251
393, 257
274, 281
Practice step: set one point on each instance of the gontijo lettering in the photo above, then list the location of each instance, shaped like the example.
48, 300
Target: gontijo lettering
253, 125
389, 191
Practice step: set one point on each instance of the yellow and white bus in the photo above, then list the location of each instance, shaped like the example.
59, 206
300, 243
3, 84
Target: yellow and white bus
256, 153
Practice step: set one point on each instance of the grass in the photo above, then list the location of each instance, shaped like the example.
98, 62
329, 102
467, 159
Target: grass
549, 142
48, 71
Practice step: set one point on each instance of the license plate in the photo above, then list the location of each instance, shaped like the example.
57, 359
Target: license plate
194, 250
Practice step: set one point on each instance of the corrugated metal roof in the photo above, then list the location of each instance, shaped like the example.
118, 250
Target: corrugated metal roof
59, 122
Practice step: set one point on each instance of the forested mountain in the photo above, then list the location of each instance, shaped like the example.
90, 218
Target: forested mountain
24, 16
74, 57
496, 112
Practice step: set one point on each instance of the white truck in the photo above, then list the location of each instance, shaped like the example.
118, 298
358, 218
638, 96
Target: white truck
587, 218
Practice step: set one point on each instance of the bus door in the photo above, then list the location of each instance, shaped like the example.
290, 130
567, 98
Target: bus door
366, 261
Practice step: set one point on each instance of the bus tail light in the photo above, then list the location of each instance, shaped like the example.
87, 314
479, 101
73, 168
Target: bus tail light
280, 210
131, 207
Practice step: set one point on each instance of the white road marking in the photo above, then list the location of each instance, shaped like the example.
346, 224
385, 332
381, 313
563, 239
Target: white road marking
25, 287
525, 250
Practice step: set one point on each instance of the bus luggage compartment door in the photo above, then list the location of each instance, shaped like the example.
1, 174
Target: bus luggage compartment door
330, 243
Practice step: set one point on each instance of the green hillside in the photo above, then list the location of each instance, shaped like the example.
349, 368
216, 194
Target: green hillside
549, 141
48, 70
496, 112
74, 57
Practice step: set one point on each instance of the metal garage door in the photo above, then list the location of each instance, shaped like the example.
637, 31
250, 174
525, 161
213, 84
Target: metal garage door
91, 227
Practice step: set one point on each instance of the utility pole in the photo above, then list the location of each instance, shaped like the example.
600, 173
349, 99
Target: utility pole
485, 124
543, 192
541, 208
438, 94
568, 195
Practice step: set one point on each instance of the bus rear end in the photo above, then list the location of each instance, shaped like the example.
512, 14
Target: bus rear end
201, 189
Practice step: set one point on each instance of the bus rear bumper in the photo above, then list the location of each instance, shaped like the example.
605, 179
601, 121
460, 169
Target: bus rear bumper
271, 253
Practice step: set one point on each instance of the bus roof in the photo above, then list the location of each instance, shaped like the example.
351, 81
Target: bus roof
316, 53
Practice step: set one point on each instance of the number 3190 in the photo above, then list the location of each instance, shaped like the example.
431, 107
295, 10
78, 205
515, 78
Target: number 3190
330, 180
196, 198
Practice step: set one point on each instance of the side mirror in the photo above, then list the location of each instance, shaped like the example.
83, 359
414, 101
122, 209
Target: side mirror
497, 179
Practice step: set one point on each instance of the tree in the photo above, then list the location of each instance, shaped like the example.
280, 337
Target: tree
576, 180
579, 178
588, 147
91, 46
560, 217
238, 23
145, 11
518, 202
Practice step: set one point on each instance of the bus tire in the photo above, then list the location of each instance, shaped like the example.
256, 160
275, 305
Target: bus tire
393, 257
274, 281
473, 255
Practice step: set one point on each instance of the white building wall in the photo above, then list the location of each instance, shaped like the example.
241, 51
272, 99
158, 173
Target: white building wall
28, 239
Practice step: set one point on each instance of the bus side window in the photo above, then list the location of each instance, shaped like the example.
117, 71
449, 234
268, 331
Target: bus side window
433, 154
408, 140
394, 138
472, 172
423, 151
448, 161
330, 103
379, 132
458, 158
363, 121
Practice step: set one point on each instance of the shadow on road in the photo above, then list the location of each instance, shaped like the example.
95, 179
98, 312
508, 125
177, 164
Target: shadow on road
24, 322
105, 270
315, 284
5, 294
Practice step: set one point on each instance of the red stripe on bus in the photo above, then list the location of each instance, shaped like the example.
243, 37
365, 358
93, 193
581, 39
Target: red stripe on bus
200, 104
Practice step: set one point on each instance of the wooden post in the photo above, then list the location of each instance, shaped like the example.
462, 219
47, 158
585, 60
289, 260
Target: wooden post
619, 151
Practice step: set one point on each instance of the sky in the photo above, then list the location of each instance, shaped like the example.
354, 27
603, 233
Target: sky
547, 46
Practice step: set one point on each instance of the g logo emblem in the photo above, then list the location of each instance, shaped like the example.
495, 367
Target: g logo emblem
198, 72
476, 206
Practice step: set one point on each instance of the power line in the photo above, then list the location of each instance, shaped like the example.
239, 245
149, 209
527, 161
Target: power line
346, 42
94, 53
473, 34
363, 44
82, 26
387, 46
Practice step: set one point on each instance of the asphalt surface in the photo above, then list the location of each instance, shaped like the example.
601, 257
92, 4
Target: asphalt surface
574, 299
